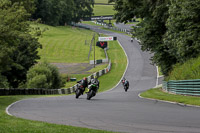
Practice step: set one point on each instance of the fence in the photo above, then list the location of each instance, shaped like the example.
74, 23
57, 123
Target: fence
183, 87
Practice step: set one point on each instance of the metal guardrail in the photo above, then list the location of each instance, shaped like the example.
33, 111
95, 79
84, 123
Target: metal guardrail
183, 87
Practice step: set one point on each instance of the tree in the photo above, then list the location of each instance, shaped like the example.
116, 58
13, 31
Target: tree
29, 5
56, 12
182, 36
82, 8
18, 46
150, 31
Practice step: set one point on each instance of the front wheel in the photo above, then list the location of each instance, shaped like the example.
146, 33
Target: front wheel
78, 93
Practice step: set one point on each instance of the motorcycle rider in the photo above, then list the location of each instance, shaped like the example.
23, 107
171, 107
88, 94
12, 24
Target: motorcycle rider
94, 81
125, 82
84, 83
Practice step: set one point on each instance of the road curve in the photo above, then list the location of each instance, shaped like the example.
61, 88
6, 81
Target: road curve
116, 110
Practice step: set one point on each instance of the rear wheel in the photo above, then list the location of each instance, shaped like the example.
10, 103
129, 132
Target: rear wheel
126, 88
89, 95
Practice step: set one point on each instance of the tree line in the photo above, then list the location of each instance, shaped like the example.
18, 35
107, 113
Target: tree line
169, 28
19, 41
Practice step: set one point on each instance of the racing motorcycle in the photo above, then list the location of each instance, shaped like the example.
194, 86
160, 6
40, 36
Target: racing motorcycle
79, 91
125, 84
92, 91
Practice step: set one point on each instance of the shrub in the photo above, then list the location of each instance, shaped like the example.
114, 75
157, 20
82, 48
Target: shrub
39, 81
46, 74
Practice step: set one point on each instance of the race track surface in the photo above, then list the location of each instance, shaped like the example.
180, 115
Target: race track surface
116, 110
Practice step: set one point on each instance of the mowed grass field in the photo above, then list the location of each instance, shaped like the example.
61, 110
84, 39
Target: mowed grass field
101, 1
66, 44
102, 10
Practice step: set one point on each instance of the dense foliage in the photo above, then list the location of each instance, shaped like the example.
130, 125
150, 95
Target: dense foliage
60, 12
169, 28
18, 47
44, 75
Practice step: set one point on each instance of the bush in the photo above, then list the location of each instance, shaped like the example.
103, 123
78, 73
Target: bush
39, 81
46, 74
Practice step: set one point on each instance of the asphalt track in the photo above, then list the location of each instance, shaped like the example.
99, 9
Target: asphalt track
116, 110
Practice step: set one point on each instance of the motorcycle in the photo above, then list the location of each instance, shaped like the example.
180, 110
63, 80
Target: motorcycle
92, 91
79, 91
125, 84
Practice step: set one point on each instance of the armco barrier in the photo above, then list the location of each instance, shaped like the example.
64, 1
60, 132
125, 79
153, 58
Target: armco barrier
183, 87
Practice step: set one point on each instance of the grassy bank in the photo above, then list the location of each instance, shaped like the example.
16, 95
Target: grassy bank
157, 93
66, 44
186, 71
102, 10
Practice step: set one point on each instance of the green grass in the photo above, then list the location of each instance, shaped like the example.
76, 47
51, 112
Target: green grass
9, 124
102, 10
157, 93
66, 45
189, 70
101, 1
159, 71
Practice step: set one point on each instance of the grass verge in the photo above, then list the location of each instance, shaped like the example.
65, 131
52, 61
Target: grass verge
157, 93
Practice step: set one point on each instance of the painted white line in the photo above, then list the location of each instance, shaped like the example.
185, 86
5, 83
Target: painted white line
7, 109
157, 76
187, 105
